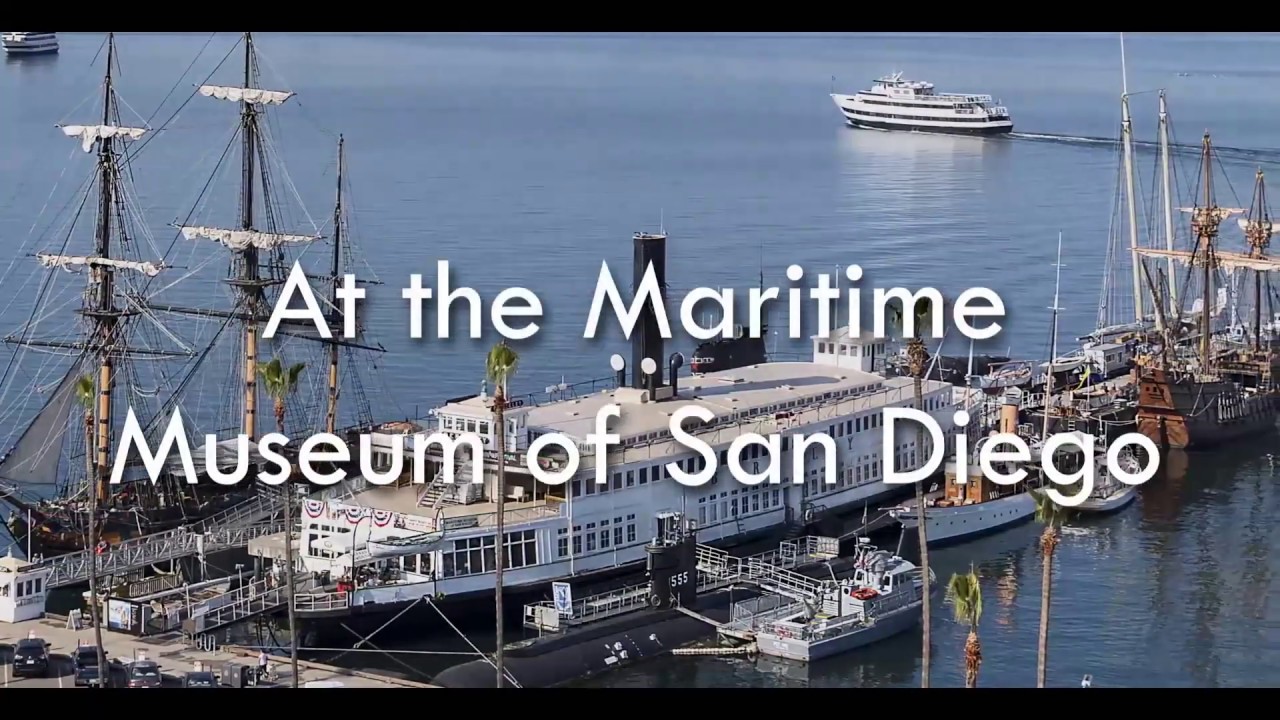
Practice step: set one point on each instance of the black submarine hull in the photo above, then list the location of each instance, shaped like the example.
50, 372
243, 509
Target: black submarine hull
606, 645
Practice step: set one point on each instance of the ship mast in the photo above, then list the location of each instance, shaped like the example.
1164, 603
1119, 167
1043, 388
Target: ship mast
103, 343
1126, 134
104, 308
249, 282
1257, 230
331, 414
1167, 182
1204, 221
1053, 350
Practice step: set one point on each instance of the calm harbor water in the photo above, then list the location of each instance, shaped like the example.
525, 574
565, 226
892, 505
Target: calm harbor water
527, 160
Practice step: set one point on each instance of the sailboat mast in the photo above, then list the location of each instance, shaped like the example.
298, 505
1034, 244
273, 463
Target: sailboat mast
1207, 230
1053, 351
1126, 134
331, 416
1167, 182
103, 307
249, 254
1258, 233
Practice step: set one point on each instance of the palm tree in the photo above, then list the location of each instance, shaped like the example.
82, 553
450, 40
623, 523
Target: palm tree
917, 362
965, 595
1051, 515
86, 395
499, 366
280, 382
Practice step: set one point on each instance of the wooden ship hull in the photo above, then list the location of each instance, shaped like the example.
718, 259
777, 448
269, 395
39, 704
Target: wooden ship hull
60, 528
1183, 413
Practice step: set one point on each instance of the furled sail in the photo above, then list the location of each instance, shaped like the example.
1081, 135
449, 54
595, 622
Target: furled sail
89, 134
1229, 260
1266, 225
254, 96
241, 239
67, 262
34, 458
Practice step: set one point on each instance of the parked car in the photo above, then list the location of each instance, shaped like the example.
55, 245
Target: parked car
31, 658
85, 662
145, 674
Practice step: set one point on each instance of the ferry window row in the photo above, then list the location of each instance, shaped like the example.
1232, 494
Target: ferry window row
958, 106
730, 504
475, 555
600, 535
835, 348
893, 116
448, 422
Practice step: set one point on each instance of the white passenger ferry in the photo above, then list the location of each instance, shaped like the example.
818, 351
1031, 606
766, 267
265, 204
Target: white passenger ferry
437, 539
893, 103
29, 43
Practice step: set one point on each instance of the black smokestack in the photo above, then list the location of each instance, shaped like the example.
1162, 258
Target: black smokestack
646, 340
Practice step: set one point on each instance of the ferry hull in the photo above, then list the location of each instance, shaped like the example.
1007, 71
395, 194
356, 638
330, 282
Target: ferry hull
1188, 415
984, 131
951, 525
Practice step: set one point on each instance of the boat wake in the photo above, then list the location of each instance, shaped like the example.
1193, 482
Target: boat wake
1226, 153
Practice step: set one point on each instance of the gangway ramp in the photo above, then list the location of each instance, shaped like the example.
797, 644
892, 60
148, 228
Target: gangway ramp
242, 603
232, 528
771, 573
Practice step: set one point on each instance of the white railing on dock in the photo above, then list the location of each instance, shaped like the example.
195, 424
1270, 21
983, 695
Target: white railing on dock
239, 604
321, 601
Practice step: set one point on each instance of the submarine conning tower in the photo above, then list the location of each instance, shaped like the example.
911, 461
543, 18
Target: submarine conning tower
673, 563
646, 339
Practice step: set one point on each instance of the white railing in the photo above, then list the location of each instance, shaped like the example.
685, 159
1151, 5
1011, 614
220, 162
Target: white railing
321, 601
595, 607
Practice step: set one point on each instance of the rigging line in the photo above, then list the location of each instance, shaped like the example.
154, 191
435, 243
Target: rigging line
467, 640
13, 259
181, 77
44, 288
134, 151
273, 151
306, 113
203, 190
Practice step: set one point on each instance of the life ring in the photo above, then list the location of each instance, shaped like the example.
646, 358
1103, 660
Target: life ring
865, 593
655, 600
808, 515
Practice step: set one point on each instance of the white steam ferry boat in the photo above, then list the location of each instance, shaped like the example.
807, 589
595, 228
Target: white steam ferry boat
893, 103
29, 43
437, 540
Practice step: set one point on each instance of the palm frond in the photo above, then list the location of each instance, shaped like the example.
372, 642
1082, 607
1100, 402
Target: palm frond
85, 391
279, 381
501, 364
1048, 512
965, 595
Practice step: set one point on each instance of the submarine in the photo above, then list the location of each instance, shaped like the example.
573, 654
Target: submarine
570, 652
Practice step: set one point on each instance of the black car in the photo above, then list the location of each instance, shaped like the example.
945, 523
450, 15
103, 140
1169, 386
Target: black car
85, 661
145, 674
31, 658
200, 680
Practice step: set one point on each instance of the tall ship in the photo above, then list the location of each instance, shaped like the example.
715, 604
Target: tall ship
29, 43
1208, 389
396, 543
118, 351
896, 103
